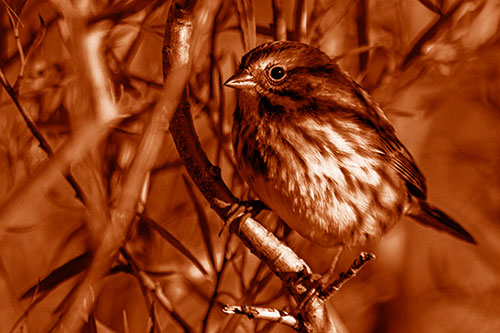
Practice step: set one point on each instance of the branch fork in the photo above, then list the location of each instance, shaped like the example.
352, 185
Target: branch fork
311, 297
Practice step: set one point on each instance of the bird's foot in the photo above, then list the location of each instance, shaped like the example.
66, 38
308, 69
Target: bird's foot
243, 210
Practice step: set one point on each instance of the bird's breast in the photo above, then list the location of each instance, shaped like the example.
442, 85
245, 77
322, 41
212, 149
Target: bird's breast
322, 180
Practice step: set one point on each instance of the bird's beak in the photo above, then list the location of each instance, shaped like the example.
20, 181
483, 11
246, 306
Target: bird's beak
241, 80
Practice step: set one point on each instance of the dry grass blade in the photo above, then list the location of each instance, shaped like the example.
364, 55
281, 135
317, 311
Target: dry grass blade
172, 240
126, 328
202, 221
55, 278
4, 273
432, 6
144, 27
13, 92
259, 284
218, 281
62, 273
139, 275
120, 11
355, 52
362, 30
48, 173
39, 36
134, 269
8, 61
315, 36
79, 231
160, 273
279, 21
66, 302
154, 327
133, 181
91, 323
44, 144
148, 285
319, 11
10, 10
301, 20
247, 23
430, 33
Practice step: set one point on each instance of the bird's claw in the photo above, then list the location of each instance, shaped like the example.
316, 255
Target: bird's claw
242, 210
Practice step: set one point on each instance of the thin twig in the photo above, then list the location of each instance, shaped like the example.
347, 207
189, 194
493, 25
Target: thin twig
254, 312
344, 277
44, 144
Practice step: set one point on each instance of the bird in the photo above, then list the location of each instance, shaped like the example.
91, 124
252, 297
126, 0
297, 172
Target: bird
320, 152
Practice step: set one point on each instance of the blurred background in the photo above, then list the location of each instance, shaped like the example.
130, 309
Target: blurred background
433, 65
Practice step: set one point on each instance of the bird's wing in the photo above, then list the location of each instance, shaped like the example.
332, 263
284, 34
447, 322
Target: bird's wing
399, 157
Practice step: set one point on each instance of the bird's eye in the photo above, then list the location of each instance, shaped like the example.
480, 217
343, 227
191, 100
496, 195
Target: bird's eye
277, 73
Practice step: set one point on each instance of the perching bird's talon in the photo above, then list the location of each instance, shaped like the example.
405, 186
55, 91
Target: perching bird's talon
242, 210
252, 207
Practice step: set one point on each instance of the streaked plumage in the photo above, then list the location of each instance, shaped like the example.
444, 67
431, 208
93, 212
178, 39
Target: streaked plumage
320, 152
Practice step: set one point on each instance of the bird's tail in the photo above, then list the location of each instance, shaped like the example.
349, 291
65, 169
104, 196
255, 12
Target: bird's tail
437, 219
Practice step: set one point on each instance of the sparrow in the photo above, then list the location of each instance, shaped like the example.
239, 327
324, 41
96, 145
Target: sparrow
319, 151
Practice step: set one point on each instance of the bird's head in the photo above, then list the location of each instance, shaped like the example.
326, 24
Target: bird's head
286, 73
